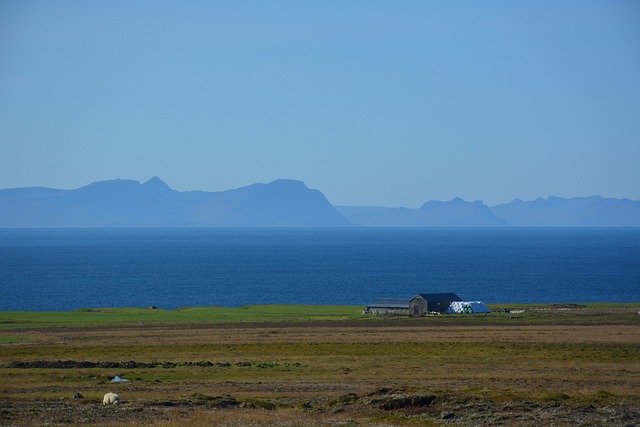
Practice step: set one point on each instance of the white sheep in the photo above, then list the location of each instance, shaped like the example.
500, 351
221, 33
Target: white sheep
111, 399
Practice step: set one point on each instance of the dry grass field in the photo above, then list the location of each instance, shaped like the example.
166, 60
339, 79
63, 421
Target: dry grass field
563, 366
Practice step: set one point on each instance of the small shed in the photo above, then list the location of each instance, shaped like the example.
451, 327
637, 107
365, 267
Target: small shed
422, 304
389, 307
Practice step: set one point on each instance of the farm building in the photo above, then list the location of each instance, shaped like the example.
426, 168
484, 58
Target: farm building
423, 304
419, 305
389, 307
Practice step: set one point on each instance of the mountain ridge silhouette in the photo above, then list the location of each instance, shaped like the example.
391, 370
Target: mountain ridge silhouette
285, 203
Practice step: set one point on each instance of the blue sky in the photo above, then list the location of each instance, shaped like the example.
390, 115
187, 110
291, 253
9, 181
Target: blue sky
372, 102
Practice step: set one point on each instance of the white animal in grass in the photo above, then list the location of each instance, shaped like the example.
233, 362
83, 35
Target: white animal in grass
111, 399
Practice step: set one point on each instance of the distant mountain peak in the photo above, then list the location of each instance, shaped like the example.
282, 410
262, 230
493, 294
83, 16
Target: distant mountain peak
288, 183
128, 203
154, 180
156, 185
111, 184
554, 211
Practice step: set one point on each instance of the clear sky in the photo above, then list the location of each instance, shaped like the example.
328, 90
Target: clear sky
384, 103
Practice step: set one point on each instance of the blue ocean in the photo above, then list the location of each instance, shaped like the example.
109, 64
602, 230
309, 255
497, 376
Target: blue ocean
68, 269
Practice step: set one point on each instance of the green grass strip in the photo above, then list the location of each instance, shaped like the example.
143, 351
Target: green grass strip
130, 316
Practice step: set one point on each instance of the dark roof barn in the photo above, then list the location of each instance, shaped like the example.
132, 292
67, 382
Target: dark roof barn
431, 303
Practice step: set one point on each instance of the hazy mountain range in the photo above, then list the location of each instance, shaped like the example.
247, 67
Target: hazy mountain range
285, 203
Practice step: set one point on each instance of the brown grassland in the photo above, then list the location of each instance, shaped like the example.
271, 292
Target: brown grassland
546, 365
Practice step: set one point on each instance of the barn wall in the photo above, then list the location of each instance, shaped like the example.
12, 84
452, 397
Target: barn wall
418, 307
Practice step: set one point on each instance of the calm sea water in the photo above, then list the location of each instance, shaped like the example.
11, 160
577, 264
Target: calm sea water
55, 269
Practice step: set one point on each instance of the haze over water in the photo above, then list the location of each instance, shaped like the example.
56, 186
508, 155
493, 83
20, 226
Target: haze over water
67, 269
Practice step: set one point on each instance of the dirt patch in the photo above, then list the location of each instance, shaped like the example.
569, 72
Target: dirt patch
371, 408
407, 402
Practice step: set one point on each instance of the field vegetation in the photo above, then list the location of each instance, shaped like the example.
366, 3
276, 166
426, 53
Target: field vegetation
300, 365
132, 316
